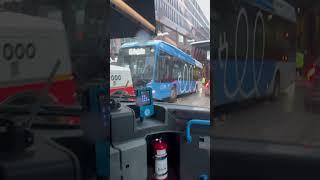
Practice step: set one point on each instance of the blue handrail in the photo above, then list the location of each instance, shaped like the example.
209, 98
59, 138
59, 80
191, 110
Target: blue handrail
101, 145
191, 122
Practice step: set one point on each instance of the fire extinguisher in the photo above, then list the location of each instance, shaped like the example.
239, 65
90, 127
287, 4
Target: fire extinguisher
160, 156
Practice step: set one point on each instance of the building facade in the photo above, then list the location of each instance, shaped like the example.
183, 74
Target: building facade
183, 20
180, 22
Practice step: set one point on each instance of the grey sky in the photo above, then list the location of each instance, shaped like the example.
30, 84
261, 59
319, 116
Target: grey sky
205, 6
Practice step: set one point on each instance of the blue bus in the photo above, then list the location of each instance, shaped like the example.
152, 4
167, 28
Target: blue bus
169, 71
254, 45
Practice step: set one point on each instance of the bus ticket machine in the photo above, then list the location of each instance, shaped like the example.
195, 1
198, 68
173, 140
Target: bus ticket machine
145, 102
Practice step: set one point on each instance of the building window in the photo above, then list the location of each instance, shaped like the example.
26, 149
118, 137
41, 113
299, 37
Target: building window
172, 13
165, 9
208, 55
177, 18
180, 38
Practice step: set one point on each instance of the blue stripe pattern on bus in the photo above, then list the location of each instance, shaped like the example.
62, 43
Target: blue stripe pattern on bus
162, 90
229, 88
254, 52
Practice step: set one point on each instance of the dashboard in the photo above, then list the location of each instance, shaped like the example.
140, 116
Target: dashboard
238, 158
230, 158
74, 150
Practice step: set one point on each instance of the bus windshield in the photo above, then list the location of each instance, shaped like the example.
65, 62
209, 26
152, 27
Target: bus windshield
141, 63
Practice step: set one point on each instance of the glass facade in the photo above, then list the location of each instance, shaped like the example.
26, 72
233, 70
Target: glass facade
183, 16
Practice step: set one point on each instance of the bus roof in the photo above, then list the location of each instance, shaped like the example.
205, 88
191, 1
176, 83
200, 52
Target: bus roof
119, 68
285, 10
18, 20
146, 43
198, 64
277, 7
168, 48
201, 42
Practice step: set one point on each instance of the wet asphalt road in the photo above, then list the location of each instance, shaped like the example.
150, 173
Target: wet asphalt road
196, 99
283, 121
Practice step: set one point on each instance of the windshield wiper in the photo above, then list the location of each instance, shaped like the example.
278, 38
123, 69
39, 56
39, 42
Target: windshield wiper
144, 81
123, 97
36, 107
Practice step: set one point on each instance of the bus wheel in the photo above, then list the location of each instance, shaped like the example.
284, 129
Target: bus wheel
276, 88
173, 95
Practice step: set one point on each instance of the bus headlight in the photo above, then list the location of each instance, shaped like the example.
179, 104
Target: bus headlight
153, 91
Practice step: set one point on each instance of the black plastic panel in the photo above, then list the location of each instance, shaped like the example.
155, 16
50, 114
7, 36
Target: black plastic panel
234, 159
124, 126
47, 160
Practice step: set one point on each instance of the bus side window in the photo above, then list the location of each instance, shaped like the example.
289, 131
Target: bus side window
165, 69
161, 67
175, 69
170, 65
168, 61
